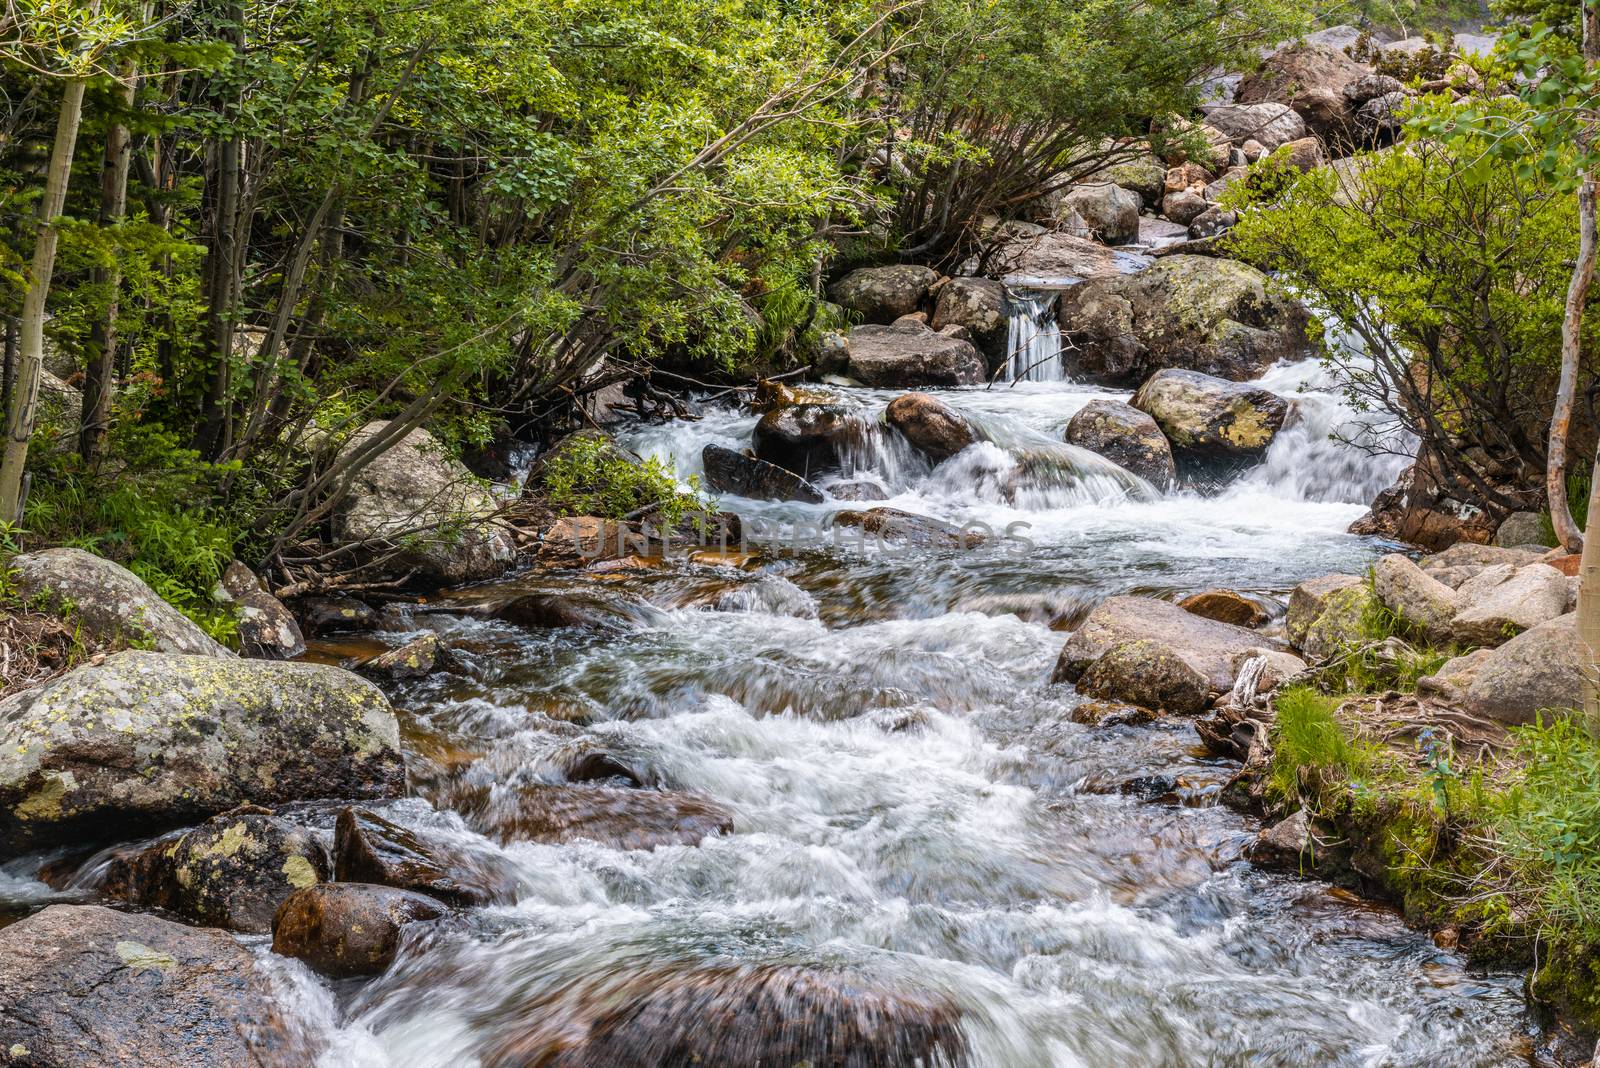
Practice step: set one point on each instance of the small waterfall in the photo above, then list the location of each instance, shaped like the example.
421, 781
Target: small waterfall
1033, 338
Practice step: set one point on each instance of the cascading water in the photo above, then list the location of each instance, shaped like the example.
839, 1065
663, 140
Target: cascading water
1033, 338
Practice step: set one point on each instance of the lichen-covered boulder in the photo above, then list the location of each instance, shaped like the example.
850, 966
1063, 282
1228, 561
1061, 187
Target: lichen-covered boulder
145, 741
745, 476
1149, 674
1327, 614
422, 513
932, 426
1309, 78
1110, 212
83, 986
1215, 426
267, 629
884, 294
979, 306
112, 604
909, 353
1269, 123
1127, 437
1540, 671
1144, 174
347, 929
808, 438
232, 871
1198, 313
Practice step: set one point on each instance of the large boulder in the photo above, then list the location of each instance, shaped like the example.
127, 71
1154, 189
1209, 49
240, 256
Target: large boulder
1215, 426
616, 817
745, 476
1198, 313
1538, 671
1420, 600
1110, 212
1144, 174
1309, 78
910, 354
1340, 598
1521, 528
1185, 206
1502, 604
1054, 256
422, 513
807, 438
267, 629
83, 986
932, 426
1149, 674
884, 294
145, 741
977, 305
1269, 124
111, 604
232, 871
1378, 120
348, 929
1159, 632
1127, 437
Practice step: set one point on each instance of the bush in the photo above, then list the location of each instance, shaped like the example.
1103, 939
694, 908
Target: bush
589, 475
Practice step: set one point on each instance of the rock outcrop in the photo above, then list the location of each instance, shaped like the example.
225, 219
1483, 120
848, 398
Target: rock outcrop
1197, 313
112, 605
144, 741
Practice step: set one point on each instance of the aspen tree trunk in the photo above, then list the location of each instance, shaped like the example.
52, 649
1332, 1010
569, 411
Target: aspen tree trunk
24, 400
1571, 333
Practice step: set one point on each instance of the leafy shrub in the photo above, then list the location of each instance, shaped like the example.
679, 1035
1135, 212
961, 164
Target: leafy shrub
590, 475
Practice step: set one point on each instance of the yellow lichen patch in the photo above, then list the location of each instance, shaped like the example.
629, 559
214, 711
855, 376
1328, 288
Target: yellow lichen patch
299, 872
45, 802
230, 842
1248, 429
138, 956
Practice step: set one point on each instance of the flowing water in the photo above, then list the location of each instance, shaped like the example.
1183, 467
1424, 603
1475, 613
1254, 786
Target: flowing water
1033, 337
913, 808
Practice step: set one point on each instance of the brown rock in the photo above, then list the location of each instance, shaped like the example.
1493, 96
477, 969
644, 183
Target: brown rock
370, 849
346, 929
936, 429
1225, 606
619, 818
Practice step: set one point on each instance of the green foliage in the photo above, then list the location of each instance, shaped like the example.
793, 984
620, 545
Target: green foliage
1307, 734
588, 475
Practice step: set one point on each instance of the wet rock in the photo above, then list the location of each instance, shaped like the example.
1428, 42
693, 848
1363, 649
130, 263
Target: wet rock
329, 614
911, 354
370, 849
1184, 207
978, 305
1127, 437
1216, 427
348, 929
1312, 80
267, 630
1540, 671
807, 438
858, 491
87, 987
113, 606
1110, 212
884, 294
1205, 645
1270, 124
932, 426
1111, 714
1417, 510
677, 1013
145, 741
551, 610
1149, 674
1421, 600
1309, 599
1510, 603
1521, 528
413, 660
422, 513
745, 476
891, 524
1226, 606
1285, 846
1198, 313
614, 817
231, 871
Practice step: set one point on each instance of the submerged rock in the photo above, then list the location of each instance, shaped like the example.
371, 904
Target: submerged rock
348, 929
112, 605
1197, 313
884, 294
145, 741
891, 524
370, 849
231, 871
616, 817
745, 476
676, 1013
909, 353
807, 438
331, 613
413, 660
1127, 437
87, 987
1215, 426
937, 430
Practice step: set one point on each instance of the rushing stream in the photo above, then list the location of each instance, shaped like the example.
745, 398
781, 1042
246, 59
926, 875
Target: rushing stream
913, 804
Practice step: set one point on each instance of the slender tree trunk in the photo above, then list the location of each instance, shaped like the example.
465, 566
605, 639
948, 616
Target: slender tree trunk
24, 400
100, 372
1571, 333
